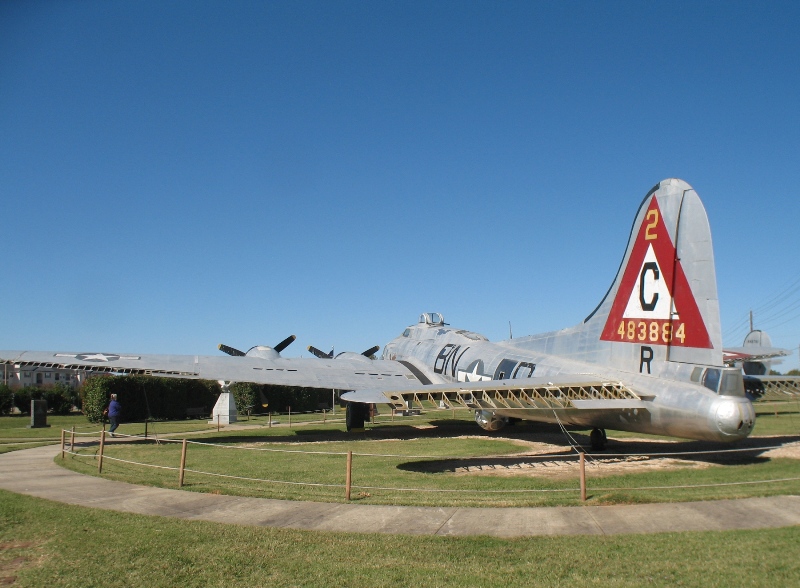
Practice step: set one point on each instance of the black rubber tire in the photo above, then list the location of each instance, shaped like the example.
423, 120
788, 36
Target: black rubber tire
598, 439
355, 415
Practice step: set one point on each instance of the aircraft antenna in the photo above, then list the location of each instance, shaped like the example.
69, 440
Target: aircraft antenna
751, 321
510, 334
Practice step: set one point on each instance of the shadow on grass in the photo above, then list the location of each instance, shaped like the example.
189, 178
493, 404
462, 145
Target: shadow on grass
748, 451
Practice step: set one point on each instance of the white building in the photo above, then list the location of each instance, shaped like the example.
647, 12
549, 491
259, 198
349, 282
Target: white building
16, 376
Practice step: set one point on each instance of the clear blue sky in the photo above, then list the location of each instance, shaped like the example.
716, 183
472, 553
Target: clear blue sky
178, 174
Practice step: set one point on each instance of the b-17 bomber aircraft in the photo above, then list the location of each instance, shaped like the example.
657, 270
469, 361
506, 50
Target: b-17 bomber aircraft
647, 359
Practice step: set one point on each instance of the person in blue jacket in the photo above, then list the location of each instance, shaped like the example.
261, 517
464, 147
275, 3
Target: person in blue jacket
114, 411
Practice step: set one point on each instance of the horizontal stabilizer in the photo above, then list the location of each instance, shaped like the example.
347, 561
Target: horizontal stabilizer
734, 355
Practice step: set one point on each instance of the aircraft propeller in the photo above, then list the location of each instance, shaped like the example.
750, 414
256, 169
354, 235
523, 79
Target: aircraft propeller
319, 353
285, 343
322, 355
371, 351
230, 350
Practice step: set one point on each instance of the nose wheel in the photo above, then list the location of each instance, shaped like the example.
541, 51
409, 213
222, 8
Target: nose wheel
598, 439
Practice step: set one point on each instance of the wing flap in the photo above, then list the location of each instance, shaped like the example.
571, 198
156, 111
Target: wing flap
523, 394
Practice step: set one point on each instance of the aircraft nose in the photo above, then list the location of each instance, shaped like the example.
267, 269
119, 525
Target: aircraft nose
735, 417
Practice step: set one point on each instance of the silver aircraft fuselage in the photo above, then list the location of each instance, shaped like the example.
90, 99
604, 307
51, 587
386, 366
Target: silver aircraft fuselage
676, 401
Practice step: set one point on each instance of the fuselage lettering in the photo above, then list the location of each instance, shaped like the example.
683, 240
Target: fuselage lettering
447, 360
652, 213
524, 370
653, 267
645, 357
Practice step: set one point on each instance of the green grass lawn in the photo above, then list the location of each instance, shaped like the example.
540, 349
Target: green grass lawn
425, 458
13, 428
44, 543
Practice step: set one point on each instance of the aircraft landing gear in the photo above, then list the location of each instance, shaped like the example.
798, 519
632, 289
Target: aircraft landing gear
598, 439
355, 415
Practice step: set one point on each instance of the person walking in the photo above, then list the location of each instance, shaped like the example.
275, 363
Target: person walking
114, 411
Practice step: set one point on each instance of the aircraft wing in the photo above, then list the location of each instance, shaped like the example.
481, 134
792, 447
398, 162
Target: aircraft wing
772, 387
373, 381
545, 393
342, 373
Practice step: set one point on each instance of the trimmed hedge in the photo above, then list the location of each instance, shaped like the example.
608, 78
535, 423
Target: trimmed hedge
144, 397
60, 398
168, 398
277, 398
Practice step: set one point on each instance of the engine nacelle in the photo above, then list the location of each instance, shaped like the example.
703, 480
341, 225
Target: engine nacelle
489, 421
263, 351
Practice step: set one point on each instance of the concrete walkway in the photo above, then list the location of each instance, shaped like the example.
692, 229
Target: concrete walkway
33, 472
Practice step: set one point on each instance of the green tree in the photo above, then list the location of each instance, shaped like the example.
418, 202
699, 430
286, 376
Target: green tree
94, 397
244, 394
23, 397
6, 399
61, 398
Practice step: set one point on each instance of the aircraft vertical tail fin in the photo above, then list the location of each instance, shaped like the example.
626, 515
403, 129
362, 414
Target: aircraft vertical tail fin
662, 306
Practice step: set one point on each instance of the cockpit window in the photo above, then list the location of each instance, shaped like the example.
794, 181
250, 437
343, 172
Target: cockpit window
407, 333
732, 383
711, 379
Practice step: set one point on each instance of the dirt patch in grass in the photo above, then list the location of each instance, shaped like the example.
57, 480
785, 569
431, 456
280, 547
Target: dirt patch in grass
546, 460
558, 469
15, 556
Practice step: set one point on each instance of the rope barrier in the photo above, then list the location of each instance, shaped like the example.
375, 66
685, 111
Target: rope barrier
149, 465
85, 434
708, 452
593, 456
440, 490
700, 485
443, 490
447, 490
264, 480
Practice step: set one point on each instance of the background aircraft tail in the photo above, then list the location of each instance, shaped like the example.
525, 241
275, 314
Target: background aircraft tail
662, 306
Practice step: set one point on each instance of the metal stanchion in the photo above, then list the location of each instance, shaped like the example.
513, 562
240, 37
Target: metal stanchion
183, 464
583, 476
102, 446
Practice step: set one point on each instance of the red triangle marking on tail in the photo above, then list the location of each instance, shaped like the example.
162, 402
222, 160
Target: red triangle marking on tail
654, 304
